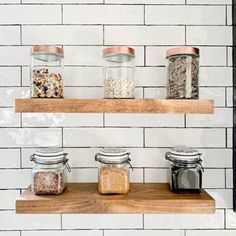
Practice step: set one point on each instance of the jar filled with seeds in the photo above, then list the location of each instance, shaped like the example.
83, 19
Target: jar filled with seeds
182, 73
49, 174
46, 72
119, 71
113, 171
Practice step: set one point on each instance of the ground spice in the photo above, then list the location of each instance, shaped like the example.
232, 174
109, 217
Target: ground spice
118, 87
113, 180
47, 84
178, 71
47, 182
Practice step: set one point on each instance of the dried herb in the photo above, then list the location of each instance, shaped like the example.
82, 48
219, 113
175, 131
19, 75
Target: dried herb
182, 77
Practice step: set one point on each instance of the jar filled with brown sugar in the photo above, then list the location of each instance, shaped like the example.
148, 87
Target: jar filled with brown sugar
113, 171
182, 73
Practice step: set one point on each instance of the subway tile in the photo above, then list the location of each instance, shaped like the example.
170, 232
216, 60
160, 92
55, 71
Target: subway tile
102, 14
14, 178
12, 221
61, 119
185, 15
136, 175
222, 117
229, 15
213, 178
209, 35
10, 76
10, 158
216, 76
144, 120
9, 35
83, 92
101, 221
62, 1
180, 221
8, 118
62, 233
216, 158
229, 138
155, 93
144, 35
214, 93
10, 233
229, 56
8, 198
168, 137
146, 1
209, 56
9, 1
8, 94
88, 175
92, 55
75, 35
143, 232
156, 175
230, 219
30, 137
100, 137
229, 100
223, 197
214, 2
229, 178
30, 14
210, 232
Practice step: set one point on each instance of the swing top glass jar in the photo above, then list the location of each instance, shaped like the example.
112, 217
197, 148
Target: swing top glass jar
48, 174
185, 171
46, 72
182, 73
113, 171
119, 70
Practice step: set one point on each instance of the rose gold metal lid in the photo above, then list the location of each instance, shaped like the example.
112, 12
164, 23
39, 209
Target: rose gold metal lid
182, 50
47, 49
118, 50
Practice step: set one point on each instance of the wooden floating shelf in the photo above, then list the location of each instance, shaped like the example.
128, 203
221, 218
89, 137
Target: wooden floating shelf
181, 106
142, 198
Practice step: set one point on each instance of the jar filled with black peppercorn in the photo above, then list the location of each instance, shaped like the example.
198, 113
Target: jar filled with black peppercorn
185, 171
182, 73
49, 172
46, 72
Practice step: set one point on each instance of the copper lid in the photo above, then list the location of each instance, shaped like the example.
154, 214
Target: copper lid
118, 50
47, 49
182, 50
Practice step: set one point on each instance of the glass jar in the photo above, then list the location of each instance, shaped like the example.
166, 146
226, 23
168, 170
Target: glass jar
182, 73
113, 171
46, 72
48, 174
119, 69
185, 171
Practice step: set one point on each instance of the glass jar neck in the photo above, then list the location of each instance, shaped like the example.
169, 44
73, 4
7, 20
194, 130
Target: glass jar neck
50, 166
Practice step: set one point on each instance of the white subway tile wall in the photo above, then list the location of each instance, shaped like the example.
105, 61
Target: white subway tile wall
84, 28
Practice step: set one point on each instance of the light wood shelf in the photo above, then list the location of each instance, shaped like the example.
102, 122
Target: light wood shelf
181, 106
142, 198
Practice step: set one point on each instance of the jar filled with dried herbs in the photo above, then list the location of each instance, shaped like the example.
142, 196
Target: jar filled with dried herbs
182, 73
119, 71
49, 175
46, 72
113, 171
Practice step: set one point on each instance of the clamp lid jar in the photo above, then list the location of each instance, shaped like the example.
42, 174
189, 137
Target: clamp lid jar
47, 71
182, 73
48, 174
119, 70
185, 171
113, 171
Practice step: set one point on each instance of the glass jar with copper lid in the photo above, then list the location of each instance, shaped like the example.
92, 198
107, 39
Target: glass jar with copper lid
182, 73
119, 69
46, 72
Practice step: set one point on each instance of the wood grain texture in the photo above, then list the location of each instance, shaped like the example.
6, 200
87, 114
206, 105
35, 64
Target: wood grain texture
142, 198
183, 106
